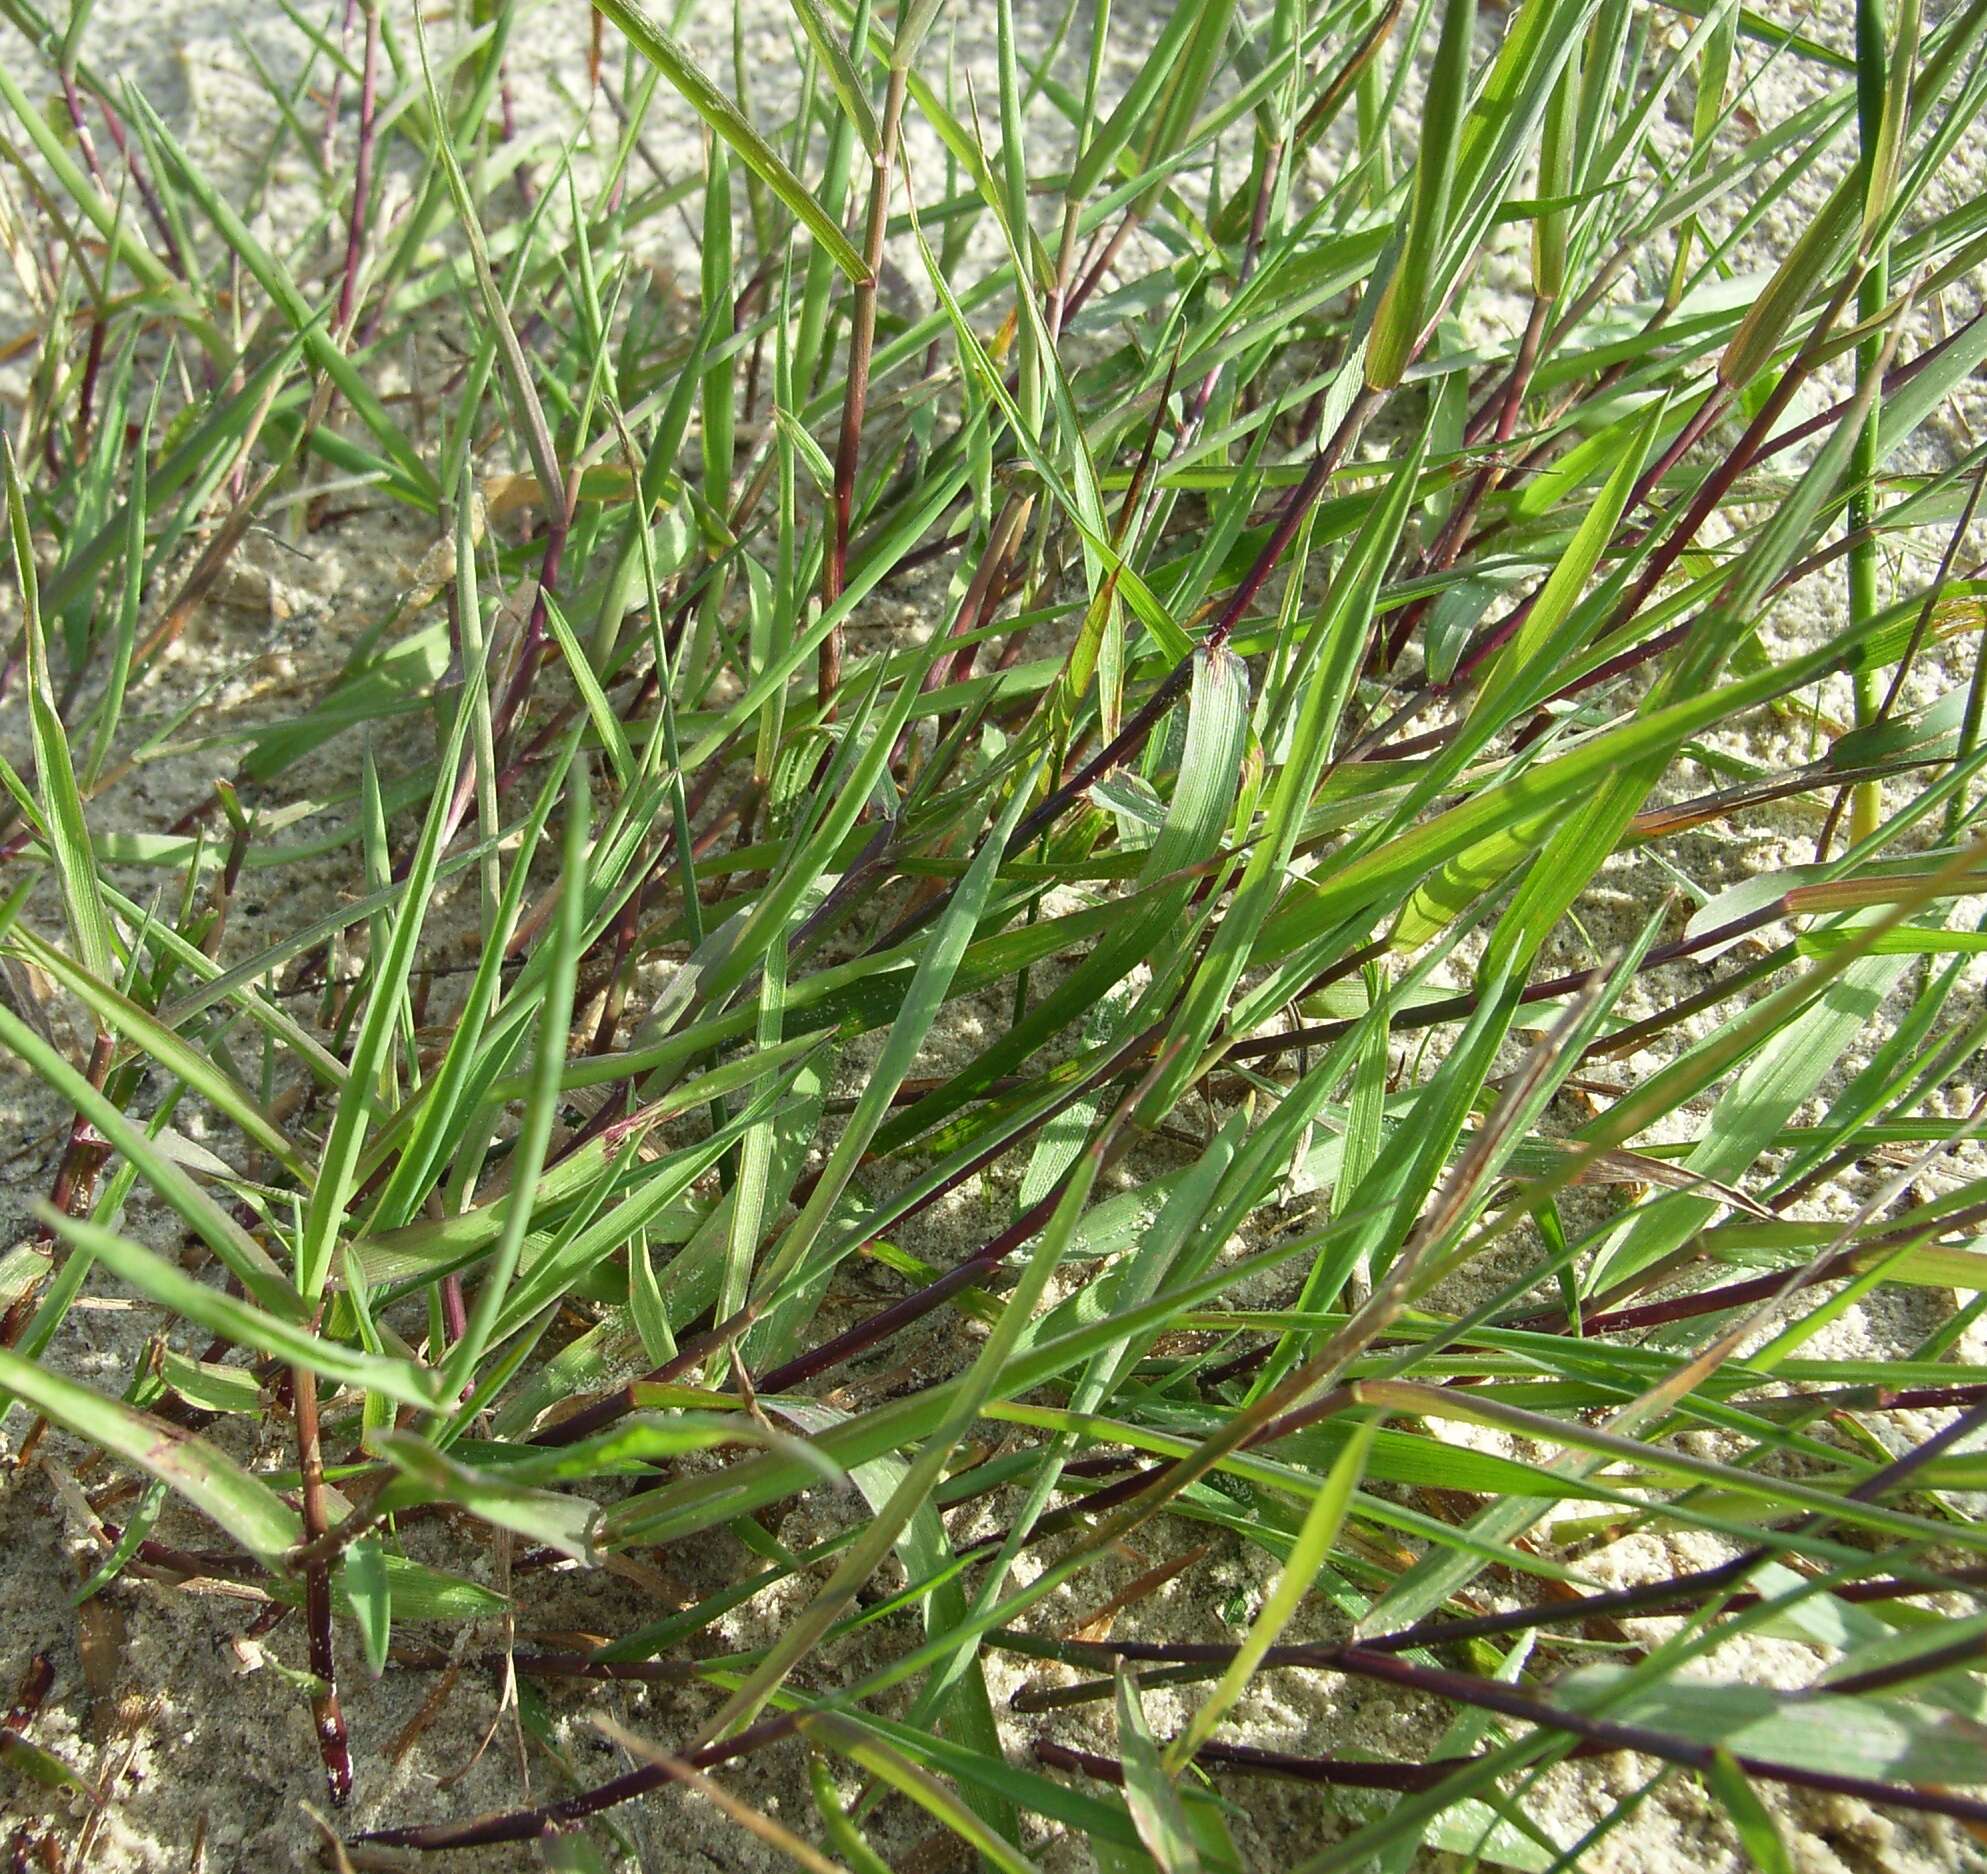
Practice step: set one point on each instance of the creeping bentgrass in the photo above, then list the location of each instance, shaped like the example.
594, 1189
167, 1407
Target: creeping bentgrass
1213, 890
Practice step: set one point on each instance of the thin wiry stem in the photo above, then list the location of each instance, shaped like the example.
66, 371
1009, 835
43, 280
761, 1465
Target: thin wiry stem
855, 397
327, 1716
1614, 1734
362, 169
75, 1177
1335, 1772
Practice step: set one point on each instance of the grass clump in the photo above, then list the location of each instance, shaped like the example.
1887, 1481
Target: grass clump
1349, 467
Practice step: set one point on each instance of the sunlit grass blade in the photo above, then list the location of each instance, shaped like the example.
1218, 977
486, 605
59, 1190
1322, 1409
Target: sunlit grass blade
724, 117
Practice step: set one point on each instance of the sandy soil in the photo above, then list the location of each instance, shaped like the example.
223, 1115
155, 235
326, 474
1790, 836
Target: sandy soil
201, 1741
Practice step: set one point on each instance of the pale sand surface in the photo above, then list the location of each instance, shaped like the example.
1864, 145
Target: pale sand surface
206, 1747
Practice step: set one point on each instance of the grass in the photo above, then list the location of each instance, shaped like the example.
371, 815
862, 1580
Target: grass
1311, 634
